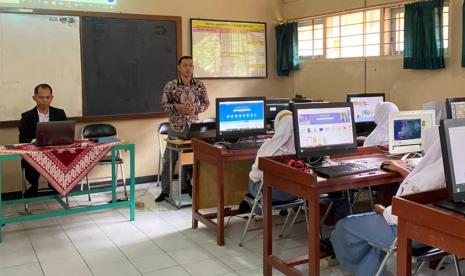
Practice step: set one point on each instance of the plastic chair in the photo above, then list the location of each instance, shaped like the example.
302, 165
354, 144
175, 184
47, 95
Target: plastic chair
162, 132
421, 256
104, 131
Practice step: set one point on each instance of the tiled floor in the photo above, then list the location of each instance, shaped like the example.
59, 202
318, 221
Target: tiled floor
159, 242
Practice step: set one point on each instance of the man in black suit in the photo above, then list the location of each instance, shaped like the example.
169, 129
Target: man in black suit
43, 112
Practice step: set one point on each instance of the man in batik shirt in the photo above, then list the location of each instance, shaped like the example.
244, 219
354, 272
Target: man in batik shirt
184, 98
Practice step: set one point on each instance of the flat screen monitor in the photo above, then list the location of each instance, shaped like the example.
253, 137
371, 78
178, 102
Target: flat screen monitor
323, 129
364, 110
452, 134
274, 106
455, 108
240, 117
406, 128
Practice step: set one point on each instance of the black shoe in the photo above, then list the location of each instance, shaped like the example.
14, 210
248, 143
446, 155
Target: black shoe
283, 212
244, 207
30, 193
327, 247
187, 190
161, 197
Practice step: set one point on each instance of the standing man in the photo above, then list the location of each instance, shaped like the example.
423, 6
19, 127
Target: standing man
184, 98
43, 112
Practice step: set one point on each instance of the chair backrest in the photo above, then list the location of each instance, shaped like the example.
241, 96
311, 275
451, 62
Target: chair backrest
209, 120
98, 131
163, 129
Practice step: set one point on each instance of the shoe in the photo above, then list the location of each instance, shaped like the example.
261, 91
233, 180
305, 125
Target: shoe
283, 212
30, 193
327, 247
244, 208
187, 190
161, 197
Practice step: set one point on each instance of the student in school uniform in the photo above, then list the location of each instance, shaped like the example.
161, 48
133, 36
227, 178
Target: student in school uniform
380, 135
439, 110
357, 239
282, 143
42, 112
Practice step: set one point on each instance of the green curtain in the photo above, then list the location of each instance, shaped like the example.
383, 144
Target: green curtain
287, 48
423, 37
463, 35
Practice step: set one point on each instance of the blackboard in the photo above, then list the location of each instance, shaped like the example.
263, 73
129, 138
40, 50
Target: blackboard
126, 63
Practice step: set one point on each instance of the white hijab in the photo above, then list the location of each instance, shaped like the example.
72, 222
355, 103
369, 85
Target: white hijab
439, 110
427, 175
281, 143
380, 135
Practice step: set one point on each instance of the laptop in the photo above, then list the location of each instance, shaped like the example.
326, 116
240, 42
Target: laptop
199, 130
55, 133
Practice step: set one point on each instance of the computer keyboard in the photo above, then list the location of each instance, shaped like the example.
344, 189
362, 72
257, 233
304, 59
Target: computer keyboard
244, 145
344, 168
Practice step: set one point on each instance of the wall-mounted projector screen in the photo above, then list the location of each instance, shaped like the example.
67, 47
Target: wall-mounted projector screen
228, 49
58, 3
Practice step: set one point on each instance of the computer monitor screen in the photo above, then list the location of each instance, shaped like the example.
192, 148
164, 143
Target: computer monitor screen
455, 108
274, 106
452, 137
406, 128
240, 117
364, 106
323, 129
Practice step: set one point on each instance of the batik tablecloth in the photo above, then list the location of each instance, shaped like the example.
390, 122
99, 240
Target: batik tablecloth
62, 166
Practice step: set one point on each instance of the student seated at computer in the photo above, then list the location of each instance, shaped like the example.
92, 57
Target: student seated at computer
380, 135
439, 110
282, 143
42, 112
358, 239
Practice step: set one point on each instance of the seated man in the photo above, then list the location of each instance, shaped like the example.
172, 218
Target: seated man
358, 240
43, 112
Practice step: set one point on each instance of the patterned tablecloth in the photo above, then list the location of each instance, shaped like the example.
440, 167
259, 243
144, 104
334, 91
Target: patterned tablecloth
62, 166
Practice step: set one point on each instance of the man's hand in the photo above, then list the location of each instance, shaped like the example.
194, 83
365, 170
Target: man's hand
186, 108
379, 209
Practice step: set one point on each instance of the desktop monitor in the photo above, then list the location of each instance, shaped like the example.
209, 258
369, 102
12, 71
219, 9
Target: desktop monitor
452, 134
323, 129
364, 110
274, 106
240, 117
406, 128
455, 108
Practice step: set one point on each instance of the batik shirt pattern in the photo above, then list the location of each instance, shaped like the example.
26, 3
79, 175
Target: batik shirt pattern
175, 92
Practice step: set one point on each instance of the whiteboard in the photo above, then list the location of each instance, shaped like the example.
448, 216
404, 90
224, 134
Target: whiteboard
228, 49
39, 49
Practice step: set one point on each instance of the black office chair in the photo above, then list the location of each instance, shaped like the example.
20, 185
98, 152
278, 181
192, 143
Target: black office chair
104, 131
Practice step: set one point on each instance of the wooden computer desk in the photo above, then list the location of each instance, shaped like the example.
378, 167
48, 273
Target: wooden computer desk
184, 149
278, 175
221, 178
420, 221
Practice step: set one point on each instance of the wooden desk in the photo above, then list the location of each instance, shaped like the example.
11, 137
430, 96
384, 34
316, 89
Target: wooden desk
278, 175
420, 221
221, 178
184, 149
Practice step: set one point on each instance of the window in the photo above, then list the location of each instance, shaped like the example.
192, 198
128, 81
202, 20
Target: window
354, 34
370, 32
310, 34
394, 30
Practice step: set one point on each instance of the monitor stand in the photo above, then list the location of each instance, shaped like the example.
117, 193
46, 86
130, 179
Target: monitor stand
458, 207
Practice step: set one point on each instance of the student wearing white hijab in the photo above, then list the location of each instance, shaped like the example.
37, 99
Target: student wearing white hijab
439, 110
357, 239
380, 135
282, 143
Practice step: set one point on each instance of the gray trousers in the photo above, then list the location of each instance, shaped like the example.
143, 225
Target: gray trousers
165, 174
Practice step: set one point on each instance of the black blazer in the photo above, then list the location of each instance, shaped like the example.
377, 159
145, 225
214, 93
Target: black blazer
29, 120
